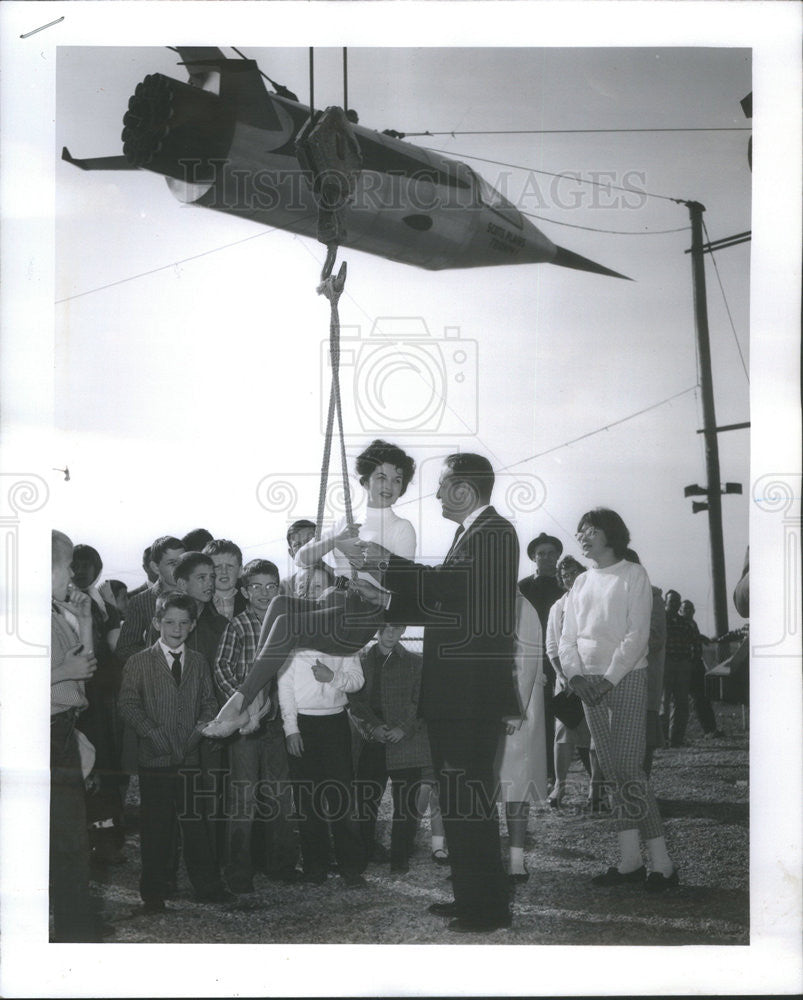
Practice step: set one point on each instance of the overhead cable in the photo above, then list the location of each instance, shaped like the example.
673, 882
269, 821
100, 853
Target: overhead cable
165, 267
572, 131
551, 173
599, 430
727, 307
613, 232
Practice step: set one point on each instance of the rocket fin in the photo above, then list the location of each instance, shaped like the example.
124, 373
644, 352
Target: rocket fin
98, 162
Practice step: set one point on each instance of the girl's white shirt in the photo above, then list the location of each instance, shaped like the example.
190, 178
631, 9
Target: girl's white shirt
377, 524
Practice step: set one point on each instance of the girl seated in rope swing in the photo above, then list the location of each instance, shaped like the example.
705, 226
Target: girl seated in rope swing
342, 622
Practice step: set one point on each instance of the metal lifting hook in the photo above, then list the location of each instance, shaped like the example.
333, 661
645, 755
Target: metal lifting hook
329, 263
332, 287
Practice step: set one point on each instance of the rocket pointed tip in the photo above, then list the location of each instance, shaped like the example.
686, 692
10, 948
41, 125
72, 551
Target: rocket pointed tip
566, 258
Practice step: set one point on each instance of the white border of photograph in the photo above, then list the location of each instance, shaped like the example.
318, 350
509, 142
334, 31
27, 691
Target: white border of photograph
772, 962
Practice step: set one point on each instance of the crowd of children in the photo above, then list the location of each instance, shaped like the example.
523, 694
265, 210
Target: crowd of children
282, 790
137, 677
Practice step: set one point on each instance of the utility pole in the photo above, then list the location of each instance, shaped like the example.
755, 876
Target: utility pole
713, 490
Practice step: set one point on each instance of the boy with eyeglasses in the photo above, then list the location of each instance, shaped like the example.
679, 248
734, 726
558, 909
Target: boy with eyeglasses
259, 787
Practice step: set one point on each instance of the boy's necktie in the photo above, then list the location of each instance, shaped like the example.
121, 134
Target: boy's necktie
176, 667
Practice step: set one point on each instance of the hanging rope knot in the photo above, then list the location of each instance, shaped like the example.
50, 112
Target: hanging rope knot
328, 151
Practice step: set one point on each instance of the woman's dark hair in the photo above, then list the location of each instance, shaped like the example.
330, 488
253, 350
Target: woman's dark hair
118, 588
377, 453
86, 566
616, 533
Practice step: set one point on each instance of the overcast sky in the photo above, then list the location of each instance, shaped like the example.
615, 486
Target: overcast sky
212, 367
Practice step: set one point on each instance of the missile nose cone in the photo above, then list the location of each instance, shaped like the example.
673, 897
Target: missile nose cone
565, 258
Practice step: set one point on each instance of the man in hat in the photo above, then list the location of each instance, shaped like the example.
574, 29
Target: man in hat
542, 590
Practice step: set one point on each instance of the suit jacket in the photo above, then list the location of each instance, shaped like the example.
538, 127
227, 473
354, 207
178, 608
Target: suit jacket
468, 606
137, 623
163, 714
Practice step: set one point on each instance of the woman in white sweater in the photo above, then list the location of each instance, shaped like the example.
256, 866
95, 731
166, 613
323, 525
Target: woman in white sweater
603, 652
291, 623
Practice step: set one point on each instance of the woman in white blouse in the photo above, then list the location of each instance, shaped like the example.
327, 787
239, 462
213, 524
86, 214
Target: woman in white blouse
603, 652
385, 471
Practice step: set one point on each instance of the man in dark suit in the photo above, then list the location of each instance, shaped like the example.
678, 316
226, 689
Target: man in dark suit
468, 607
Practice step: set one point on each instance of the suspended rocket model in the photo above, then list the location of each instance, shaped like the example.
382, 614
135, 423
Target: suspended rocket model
224, 141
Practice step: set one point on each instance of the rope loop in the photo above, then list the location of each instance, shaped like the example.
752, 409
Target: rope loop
332, 287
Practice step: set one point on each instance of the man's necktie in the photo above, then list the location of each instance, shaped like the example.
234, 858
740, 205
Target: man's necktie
176, 667
455, 540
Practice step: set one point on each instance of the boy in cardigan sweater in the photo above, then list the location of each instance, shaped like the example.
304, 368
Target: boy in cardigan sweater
165, 695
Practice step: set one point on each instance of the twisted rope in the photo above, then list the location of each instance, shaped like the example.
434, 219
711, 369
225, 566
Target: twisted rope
332, 288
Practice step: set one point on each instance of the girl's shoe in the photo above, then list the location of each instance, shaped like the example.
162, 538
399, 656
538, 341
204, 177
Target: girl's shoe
256, 713
613, 877
440, 856
228, 720
518, 877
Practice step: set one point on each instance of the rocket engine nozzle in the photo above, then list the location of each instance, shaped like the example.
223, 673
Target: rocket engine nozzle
176, 129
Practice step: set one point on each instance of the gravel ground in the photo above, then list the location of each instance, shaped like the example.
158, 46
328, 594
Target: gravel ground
703, 794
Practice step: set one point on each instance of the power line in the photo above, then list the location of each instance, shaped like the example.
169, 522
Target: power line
727, 307
551, 173
573, 131
613, 232
165, 267
557, 447
599, 430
